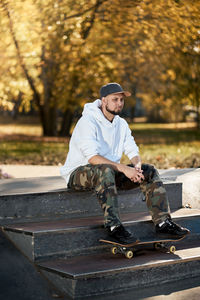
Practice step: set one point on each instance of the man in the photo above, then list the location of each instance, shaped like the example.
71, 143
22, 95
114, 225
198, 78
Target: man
93, 162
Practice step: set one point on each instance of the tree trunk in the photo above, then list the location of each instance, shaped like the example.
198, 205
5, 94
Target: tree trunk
198, 117
36, 94
17, 103
197, 103
66, 123
49, 122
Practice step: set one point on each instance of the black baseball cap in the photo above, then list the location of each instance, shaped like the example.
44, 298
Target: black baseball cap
112, 88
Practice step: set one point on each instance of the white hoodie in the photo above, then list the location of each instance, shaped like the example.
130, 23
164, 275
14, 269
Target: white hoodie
95, 135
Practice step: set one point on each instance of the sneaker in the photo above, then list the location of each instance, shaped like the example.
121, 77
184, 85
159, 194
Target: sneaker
121, 235
171, 228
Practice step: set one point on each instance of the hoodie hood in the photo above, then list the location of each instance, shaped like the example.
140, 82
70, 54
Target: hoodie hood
93, 109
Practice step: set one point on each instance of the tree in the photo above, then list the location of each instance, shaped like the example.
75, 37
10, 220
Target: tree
59, 30
65, 50
157, 49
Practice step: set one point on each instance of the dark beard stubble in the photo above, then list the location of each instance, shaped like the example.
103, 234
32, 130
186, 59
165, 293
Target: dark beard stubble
113, 112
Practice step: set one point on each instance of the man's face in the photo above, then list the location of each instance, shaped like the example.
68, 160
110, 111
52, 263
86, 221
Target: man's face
114, 103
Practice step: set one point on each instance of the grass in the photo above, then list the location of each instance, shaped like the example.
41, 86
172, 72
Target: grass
33, 152
168, 145
165, 133
164, 145
163, 156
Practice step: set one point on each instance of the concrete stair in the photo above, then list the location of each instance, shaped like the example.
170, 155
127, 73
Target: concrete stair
69, 254
59, 232
25, 200
73, 237
102, 274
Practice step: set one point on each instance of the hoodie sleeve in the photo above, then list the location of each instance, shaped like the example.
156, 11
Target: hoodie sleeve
130, 147
86, 139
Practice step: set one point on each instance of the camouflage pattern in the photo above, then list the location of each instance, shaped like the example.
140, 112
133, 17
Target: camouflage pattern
155, 194
105, 181
101, 178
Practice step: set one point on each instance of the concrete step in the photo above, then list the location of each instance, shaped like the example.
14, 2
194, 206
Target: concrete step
39, 199
183, 289
73, 237
100, 274
60, 230
19, 278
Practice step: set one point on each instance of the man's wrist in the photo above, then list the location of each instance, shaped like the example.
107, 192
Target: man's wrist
120, 167
138, 166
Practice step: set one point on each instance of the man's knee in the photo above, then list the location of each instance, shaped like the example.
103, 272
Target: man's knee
149, 172
106, 170
105, 177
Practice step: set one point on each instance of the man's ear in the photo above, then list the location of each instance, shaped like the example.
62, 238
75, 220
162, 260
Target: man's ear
103, 99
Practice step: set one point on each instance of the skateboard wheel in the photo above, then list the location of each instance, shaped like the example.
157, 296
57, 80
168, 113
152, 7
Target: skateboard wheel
172, 249
129, 254
114, 250
157, 246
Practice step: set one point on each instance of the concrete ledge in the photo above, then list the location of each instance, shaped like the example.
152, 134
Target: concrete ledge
46, 178
15, 186
190, 178
32, 185
24, 205
42, 197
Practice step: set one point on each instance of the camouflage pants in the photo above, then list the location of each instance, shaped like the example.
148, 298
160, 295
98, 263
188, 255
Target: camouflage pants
105, 181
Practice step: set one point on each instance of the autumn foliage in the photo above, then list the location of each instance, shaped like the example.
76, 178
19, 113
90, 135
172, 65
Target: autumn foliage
55, 55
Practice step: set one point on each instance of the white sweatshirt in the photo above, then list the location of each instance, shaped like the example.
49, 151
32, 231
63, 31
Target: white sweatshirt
95, 135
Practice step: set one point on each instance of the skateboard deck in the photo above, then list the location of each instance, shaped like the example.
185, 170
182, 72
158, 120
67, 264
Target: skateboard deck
166, 243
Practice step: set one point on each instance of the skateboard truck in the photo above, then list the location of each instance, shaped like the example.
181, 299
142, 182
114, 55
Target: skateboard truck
123, 250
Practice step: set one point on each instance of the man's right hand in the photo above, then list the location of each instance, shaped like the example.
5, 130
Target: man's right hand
134, 174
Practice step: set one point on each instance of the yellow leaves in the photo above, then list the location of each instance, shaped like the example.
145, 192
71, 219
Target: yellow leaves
197, 49
171, 74
163, 76
141, 41
5, 104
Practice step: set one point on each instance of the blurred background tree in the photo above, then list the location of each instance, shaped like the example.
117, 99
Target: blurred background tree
55, 55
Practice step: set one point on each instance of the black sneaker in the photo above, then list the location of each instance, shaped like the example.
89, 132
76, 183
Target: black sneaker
171, 228
121, 235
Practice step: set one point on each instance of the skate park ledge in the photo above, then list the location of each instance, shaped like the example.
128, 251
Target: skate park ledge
31, 179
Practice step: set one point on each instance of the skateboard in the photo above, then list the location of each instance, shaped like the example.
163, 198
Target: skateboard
156, 242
